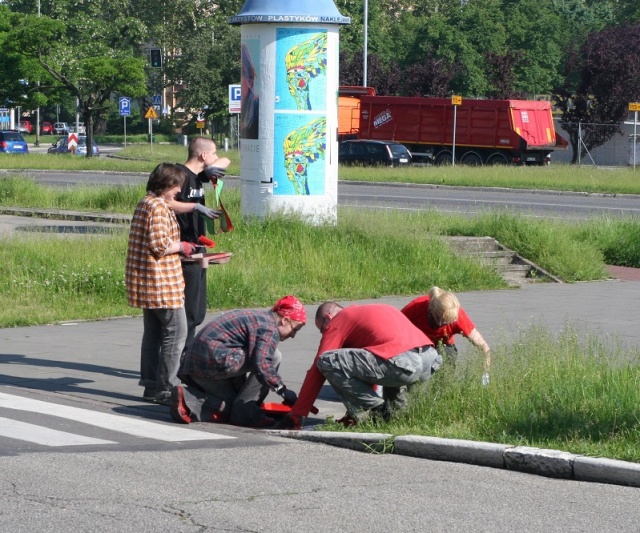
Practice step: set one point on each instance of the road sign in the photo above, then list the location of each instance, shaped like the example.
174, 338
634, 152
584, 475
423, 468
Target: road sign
151, 113
72, 142
634, 106
157, 99
200, 124
235, 98
456, 100
125, 106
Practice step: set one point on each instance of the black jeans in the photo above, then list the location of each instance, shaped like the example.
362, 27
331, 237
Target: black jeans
195, 298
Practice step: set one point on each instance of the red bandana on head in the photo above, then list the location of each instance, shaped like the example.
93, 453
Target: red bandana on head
292, 308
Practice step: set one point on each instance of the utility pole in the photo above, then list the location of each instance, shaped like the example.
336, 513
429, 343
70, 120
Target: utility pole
366, 31
37, 143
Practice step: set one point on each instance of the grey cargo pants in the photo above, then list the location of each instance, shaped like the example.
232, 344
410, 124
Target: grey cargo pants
352, 372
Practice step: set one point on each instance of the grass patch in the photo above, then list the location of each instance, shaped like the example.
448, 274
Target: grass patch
555, 177
367, 255
134, 158
572, 392
63, 278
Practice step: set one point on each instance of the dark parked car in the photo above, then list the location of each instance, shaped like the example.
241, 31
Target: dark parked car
61, 146
366, 152
12, 142
46, 128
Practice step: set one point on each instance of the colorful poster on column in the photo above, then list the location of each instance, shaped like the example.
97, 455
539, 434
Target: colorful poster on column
301, 69
250, 82
299, 154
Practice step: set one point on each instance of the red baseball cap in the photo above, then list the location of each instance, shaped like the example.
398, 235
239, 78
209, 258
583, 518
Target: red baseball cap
292, 308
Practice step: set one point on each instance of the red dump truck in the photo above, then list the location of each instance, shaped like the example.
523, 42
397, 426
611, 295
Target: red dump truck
518, 132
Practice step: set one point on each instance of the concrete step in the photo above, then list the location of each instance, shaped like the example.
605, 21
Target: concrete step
515, 269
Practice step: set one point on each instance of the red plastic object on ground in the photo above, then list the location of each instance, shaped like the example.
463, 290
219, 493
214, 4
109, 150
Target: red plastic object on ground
279, 410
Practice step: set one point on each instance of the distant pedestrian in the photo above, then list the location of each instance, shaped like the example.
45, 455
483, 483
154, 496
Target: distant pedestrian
439, 315
233, 363
203, 165
363, 346
155, 284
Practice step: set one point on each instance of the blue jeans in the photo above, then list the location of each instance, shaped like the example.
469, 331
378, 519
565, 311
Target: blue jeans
165, 331
238, 395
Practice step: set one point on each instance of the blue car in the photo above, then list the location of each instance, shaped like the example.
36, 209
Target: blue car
12, 142
61, 146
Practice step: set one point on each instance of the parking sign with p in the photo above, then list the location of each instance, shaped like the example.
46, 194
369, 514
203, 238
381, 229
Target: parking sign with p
125, 106
235, 98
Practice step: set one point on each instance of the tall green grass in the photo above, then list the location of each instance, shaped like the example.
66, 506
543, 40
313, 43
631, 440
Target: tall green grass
570, 391
368, 254
45, 278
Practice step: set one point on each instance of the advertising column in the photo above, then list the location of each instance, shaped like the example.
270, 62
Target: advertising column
289, 108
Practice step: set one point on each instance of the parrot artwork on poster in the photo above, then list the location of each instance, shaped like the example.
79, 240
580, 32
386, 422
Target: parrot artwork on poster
299, 155
301, 69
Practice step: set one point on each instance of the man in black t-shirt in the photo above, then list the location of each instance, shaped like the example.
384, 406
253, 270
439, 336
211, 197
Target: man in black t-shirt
202, 166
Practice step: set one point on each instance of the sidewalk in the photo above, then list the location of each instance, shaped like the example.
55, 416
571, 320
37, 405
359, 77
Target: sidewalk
97, 363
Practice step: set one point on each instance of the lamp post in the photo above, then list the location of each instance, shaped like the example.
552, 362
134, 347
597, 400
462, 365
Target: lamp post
37, 143
366, 31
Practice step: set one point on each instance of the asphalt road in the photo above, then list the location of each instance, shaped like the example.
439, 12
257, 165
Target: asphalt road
461, 200
133, 477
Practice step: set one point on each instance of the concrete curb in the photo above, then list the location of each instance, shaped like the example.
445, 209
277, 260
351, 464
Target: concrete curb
55, 214
525, 459
457, 451
364, 442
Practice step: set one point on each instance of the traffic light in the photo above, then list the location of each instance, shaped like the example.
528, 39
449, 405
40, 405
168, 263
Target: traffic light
156, 57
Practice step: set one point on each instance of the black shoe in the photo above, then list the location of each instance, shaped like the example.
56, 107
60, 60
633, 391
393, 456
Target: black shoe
381, 412
149, 394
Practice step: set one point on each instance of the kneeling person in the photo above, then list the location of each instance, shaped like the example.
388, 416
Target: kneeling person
362, 346
233, 364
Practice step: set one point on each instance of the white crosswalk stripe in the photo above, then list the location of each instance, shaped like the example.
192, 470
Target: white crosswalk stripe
118, 423
14, 429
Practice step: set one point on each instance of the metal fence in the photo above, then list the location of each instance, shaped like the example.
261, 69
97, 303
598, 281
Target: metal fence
617, 151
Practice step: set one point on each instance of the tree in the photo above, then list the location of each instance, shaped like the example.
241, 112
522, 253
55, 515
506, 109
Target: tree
92, 53
501, 74
601, 78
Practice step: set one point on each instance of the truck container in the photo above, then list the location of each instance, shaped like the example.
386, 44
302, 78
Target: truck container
489, 132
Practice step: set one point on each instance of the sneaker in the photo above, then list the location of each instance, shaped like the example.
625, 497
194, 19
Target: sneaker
149, 394
163, 398
178, 409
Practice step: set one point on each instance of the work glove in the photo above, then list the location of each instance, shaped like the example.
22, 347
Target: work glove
214, 173
485, 379
206, 241
187, 248
292, 422
289, 397
204, 210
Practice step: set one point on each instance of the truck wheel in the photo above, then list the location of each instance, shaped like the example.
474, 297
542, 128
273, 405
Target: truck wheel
443, 158
497, 159
471, 159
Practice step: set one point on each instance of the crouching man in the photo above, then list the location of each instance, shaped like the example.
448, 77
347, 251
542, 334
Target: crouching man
363, 346
233, 364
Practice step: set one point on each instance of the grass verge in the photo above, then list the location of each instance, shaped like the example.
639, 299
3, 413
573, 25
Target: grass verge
366, 255
570, 392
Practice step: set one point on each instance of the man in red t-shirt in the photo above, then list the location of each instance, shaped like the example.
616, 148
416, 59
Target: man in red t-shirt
363, 346
439, 316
